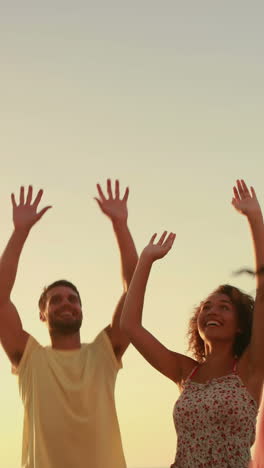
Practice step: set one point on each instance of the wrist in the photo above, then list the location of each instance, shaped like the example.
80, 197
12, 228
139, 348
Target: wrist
119, 223
145, 258
255, 218
21, 232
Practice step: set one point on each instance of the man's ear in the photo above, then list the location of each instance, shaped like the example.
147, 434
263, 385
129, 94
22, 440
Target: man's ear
42, 316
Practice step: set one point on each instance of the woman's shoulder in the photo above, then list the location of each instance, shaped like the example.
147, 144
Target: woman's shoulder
187, 367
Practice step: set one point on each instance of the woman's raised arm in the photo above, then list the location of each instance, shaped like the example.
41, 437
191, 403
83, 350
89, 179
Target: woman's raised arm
165, 361
246, 202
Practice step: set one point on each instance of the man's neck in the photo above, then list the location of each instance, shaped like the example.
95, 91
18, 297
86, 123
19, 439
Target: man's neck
65, 342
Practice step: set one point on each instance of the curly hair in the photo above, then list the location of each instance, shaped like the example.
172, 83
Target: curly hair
67, 284
244, 304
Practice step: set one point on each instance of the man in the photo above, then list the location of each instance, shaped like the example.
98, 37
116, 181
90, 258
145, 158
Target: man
67, 388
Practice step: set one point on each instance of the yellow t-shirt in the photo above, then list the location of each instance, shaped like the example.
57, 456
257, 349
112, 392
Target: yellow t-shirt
70, 418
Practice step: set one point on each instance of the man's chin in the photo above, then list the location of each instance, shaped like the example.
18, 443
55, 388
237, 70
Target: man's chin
65, 328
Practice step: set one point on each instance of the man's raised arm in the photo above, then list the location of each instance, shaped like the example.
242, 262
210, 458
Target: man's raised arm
116, 209
12, 336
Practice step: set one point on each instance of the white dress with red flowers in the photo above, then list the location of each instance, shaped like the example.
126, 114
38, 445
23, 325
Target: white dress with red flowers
215, 423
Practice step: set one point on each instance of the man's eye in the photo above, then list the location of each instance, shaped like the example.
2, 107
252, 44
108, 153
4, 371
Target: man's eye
73, 299
55, 300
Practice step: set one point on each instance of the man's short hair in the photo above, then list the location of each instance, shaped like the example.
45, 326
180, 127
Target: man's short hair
43, 298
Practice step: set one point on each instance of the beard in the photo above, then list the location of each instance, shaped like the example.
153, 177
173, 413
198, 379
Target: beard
60, 326
65, 328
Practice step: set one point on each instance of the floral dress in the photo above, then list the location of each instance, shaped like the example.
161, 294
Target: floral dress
215, 423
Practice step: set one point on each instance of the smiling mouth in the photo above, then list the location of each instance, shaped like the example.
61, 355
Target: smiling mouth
213, 323
66, 313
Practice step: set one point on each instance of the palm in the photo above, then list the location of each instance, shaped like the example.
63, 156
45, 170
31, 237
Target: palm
114, 207
25, 213
161, 248
245, 201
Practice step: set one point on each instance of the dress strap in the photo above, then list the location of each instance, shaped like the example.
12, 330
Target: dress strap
193, 371
235, 366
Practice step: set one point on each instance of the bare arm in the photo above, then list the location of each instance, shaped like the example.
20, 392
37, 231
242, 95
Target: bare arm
12, 335
9, 263
167, 362
116, 209
246, 202
259, 444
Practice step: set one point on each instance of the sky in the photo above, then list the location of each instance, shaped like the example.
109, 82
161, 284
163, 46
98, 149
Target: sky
168, 98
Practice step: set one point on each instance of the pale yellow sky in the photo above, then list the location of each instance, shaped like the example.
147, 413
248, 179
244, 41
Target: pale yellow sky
169, 99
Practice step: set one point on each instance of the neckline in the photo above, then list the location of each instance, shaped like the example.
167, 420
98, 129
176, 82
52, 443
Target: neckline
231, 374
197, 367
65, 351
215, 379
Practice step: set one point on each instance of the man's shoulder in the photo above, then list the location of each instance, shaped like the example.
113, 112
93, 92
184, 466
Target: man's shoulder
102, 346
31, 347
98, 342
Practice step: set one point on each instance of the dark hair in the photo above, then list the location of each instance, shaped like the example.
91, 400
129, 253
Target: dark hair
43, 298
244, 304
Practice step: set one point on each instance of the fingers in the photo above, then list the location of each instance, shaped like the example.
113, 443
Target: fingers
101, 194
244, 186
169, 241
38, 198
117, 192
162, 237
29, 195
236, 194
28, 198
167, 245
42, 212
241, 190
13, 200
110, 191
163, 241
22, 196
238, 190
125, 197
99, 202
109, 188
153, 238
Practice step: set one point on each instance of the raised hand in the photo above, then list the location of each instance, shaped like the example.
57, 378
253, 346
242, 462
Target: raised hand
25, 212
161, 248
114, 207
245, 201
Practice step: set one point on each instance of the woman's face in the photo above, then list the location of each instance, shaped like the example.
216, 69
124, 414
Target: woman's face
218, 318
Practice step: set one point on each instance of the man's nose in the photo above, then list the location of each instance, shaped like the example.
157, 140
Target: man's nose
65, 301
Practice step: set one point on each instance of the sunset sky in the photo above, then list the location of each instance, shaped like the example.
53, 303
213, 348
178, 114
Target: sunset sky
168, 98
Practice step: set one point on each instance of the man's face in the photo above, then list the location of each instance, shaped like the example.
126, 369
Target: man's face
63, 313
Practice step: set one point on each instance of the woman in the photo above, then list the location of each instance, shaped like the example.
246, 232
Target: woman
215, 415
